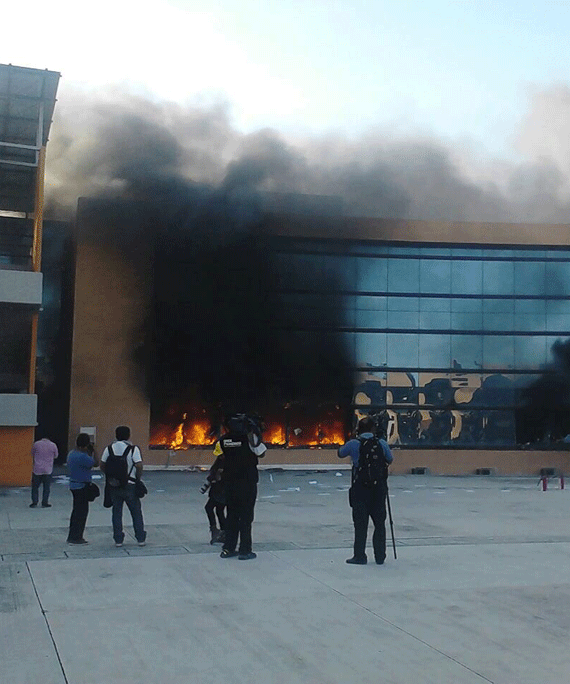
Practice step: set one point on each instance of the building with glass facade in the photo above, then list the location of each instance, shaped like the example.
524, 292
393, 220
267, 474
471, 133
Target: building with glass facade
442, 338
445, 330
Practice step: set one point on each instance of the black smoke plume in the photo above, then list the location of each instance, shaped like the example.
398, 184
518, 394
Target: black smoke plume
206, 187
545, 407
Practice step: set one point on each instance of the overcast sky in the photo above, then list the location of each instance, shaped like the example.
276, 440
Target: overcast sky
460, 69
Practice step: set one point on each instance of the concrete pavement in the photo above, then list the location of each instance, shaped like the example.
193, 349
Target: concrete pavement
479, 593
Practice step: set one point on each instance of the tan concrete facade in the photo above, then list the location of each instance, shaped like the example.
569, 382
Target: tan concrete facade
399, 230
112, 297
113, 294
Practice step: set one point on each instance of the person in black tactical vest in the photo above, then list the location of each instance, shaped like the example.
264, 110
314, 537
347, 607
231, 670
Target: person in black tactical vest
241, 446
370, 456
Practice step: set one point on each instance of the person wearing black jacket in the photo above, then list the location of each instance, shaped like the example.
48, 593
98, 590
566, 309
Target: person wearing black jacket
241, 448
370, 456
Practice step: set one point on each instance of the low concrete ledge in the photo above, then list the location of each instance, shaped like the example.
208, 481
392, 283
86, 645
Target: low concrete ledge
436, 461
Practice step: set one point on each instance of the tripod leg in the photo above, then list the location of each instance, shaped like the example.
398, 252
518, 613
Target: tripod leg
391, 521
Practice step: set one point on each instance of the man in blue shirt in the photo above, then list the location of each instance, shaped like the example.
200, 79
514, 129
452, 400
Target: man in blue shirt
80, 461
369, 489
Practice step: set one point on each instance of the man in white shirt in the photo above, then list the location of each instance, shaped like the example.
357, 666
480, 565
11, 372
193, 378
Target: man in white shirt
123, 466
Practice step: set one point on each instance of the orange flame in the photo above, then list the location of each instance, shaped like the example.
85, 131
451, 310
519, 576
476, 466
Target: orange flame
196, 432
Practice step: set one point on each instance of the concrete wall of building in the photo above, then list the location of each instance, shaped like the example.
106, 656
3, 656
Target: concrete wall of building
400, 230
16, 455
112, 299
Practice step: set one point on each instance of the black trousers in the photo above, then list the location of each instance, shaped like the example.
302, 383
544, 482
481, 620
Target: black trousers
369, 502
78, 514
213, 508
240, 500
36, 481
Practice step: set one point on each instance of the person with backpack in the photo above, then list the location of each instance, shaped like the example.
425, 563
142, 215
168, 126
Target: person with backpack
122, 464
370, 456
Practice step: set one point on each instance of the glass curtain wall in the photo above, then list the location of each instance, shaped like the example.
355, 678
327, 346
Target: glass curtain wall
442, 340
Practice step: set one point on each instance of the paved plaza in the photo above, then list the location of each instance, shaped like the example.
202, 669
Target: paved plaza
479, 592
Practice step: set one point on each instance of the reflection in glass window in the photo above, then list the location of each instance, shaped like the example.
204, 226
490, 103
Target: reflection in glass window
550, 342
371, 319
372, 303
403, 304
468, 251
467, 277
530, 306
467, 351
529, 278
498, 277
558, 306
498, 306
435, 304
435, 276
403, 275
435, 351
466, 321
435, 251
435, 320
558, 322
498, 351
402, 350
557, 278
467, 305
498, 321
530, 322
403, 319
338, 272
370, 349
530, 352
372, 275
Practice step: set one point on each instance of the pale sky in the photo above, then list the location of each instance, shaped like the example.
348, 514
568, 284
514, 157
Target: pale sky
461, 70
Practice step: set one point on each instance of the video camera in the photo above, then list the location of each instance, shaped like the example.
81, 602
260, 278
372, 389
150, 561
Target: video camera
381, 421
244, 424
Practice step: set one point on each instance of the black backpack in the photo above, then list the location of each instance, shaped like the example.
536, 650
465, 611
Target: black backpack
372, 467
116, 468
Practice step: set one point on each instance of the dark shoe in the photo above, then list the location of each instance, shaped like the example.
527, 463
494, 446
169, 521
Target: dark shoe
379, 561
46, 505
247, 556
33, 505
357, 561
77, 541
214, 535
226, 553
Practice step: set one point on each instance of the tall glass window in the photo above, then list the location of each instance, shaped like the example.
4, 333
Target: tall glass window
460, 331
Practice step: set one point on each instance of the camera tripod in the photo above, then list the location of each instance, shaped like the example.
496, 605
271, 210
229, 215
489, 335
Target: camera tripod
389, 507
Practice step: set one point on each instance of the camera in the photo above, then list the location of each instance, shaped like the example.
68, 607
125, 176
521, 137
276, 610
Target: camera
244, 424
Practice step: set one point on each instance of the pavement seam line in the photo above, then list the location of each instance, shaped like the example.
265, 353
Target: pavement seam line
389, 622
47, 624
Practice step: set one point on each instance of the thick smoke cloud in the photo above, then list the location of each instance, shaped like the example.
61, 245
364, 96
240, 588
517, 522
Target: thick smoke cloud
203, 184
114, 143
